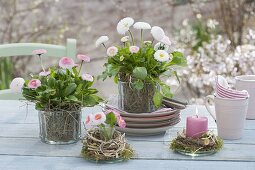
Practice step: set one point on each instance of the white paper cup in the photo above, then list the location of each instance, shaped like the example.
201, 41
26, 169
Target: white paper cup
229, 115
247, 82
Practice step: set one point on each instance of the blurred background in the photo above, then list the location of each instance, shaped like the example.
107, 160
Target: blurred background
216, 36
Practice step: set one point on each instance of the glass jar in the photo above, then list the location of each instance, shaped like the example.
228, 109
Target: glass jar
60, 127
136, 101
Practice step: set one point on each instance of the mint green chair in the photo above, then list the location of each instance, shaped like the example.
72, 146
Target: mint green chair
25, 49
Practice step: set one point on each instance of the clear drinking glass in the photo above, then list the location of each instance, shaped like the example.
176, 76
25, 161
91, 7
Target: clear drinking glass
136, 101
60, 127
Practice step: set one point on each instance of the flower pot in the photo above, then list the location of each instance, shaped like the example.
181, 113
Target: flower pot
136, 101
60, 127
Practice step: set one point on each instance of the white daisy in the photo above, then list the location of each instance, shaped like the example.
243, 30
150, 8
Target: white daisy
99, 118
124, 25
112, 51
17, 85
161, 46
161, 56
157, 33
165, 40
142, 26
101, 40
124, 39
134, 49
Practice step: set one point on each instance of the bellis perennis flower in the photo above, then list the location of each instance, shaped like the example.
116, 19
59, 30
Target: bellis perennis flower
124, 39
112, 51
134, 49
66, 63
99, 118
89, 121
124, 25
101, 40
44, 73
142, 25
34, 84
165, 40
161, 56
157, 33
87, 77
84, 58
39, 52
17, 85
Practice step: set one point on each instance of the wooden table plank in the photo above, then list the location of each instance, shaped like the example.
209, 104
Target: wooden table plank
66, 163
32, 131
144, 150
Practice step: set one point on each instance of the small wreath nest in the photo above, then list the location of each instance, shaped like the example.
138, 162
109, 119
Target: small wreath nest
205, 143
96, 149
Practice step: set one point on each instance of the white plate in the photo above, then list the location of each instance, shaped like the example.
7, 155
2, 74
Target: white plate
153, 124
143, 131
164, 112
151, 119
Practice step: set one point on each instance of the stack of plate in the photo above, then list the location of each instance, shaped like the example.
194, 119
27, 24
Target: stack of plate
144, 124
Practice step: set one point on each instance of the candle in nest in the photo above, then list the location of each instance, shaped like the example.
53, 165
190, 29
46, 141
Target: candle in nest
196, 125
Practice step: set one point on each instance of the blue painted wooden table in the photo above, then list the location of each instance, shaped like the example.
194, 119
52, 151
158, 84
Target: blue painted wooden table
20, 147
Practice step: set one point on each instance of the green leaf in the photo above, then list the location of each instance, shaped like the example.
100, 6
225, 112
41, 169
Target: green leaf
51, 82
75, 71
179, 59
112, 70
91, 100
110, 119
140, 72
73, 98
116, 79
157, 99
70, 89
121, 58
138, 85
39, 106
166, 91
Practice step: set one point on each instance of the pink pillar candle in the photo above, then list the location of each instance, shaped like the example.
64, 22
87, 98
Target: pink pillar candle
195, 126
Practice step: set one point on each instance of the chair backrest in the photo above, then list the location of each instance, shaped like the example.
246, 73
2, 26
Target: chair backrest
25, 49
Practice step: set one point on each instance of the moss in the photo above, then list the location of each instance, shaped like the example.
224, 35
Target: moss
207, 142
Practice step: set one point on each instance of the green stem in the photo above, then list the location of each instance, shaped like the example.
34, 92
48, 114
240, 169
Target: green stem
132, 37
41, 62
141, 38
80, 68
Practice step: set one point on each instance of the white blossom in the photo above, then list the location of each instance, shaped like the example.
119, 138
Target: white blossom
212, 23
161, 56
124, 25
17, 85
157, 33
101, 40
142, 26
112, 51
124, 39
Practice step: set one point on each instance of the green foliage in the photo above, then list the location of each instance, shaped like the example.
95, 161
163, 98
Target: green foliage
5, 73
110, 119
62, 89
203, 33
140, 68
